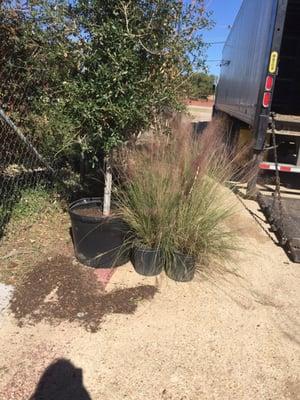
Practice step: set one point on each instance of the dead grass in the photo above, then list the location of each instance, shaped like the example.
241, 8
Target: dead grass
26, 243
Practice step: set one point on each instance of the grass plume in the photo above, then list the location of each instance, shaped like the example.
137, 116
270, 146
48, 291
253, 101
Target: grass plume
173, 195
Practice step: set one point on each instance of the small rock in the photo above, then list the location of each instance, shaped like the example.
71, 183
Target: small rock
81, 314
6, 292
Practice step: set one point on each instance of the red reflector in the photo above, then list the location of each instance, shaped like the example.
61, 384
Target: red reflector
267, 99
264, 166
269, 83
285, 169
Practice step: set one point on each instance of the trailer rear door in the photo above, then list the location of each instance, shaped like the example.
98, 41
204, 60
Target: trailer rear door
286, 98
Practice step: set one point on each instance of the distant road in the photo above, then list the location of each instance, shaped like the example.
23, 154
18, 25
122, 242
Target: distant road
201, 113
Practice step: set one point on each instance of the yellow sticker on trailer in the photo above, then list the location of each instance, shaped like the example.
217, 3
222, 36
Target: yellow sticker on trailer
273, 62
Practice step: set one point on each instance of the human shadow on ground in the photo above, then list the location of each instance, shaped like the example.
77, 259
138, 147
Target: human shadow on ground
61, 381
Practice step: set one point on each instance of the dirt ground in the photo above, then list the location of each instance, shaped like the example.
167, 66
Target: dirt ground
229, 335
201, 112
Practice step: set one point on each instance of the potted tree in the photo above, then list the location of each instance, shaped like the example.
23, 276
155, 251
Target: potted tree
128, 72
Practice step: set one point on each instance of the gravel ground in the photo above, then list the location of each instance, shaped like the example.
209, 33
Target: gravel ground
227, 336
6, 292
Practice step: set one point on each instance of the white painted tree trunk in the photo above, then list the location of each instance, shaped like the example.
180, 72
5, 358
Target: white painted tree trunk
107, 187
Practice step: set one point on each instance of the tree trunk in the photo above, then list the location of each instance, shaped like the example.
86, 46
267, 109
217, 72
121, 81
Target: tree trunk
82, 167
107, 187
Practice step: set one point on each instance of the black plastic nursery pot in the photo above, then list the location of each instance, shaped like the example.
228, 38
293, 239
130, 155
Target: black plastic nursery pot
97, 239
147, 262
183, 268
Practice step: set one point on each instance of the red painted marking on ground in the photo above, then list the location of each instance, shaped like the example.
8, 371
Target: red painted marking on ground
104, 274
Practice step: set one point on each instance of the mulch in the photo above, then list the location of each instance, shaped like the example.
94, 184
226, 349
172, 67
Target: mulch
60, 290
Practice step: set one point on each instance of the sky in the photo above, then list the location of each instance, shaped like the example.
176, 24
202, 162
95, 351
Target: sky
224, 13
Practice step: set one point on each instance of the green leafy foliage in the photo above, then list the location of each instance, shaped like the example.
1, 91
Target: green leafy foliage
134, 63
86, 76
200, 86
38, 56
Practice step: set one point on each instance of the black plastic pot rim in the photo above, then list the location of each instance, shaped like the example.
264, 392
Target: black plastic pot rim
158, 250
88, 201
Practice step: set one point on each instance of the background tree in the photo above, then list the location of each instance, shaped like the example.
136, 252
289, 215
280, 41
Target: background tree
200, 86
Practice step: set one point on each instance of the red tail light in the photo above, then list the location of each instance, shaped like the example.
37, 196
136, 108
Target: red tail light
269, 83
267, 99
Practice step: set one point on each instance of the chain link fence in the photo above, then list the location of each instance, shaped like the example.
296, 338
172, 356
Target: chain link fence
21, 168
21, 165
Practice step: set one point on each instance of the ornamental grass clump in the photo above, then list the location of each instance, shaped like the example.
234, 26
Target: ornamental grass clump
174, 197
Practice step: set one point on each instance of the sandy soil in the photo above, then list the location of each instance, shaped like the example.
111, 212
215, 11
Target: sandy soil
225, 336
